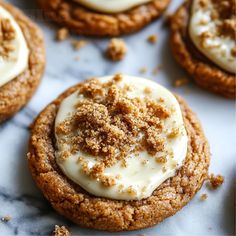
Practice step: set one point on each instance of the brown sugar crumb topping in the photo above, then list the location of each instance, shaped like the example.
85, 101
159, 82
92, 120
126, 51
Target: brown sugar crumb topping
7, 34
110, 126
223, 13
61, 231
216, 181
62, 34
116, 49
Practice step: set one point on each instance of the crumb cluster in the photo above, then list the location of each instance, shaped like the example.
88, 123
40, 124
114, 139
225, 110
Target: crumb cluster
62, 34
152, 39
61, 231
78, 44
7, 34
110, 126
116, 49
204, 197
216, 180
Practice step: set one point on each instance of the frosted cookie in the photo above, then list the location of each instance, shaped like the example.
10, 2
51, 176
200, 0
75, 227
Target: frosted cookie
22, 59
203, 43
118, 153
103, 17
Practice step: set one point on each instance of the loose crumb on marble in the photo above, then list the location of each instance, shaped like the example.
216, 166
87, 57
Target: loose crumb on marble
78, 44
204, 197
181, 82
116, 49
6, 218
61, 231
62, 34
216, 180
143, 70
152, 39
155, 71
77, 58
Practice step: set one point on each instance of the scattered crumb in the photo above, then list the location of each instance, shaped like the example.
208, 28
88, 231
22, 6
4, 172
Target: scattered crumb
181, 82
216, 181
77, 58
204, 197
155, 71
143, 70
116, 49
62, 34
6, 218
61, 231
78, 44
152, 39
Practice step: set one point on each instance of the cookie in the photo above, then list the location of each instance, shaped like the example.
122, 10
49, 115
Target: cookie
106, 208
194, 44
86, 21
23, 63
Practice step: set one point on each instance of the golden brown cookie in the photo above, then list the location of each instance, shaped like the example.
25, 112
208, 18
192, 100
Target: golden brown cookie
81, 20
204, 72
17, 92
70, 200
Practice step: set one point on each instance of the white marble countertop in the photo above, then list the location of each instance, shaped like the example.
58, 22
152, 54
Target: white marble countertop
30, 212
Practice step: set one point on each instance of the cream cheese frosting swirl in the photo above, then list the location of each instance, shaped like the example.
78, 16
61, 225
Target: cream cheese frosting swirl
14, 53
111, 6
142, 126
212, 30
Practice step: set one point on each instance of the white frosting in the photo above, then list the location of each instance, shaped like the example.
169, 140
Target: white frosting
17, 61
143, 178
111, 6
217, 48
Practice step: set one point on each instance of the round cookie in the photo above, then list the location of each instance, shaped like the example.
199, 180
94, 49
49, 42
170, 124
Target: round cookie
70, 200
17, 92
205, 73
81, 20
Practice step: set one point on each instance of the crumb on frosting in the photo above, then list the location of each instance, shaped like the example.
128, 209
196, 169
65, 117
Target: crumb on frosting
7, 34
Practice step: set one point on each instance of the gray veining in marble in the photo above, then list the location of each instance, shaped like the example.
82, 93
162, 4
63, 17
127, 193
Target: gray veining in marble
19, 198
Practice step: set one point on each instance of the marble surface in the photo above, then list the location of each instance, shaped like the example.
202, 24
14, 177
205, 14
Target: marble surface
30, 212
